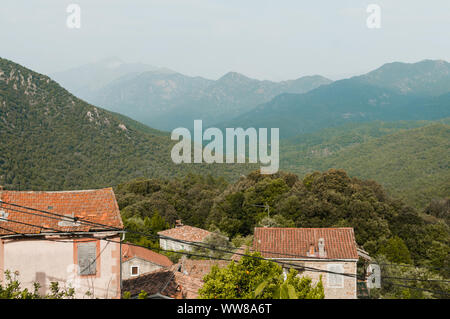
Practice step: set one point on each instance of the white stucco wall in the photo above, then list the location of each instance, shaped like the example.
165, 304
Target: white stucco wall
144, 267
173, 245
45, 261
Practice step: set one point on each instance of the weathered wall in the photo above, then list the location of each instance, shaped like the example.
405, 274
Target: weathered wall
45, 261
173, 245
348, 291
144, 267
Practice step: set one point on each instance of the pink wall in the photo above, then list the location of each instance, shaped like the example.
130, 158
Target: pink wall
45, 261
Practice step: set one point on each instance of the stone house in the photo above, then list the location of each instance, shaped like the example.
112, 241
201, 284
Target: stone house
56, 237
138, 260
182, 233
332, 250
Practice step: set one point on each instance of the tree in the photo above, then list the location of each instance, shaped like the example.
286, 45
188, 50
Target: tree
214, 244
396, 251
291, 286
254, 277
11, 289
401, 281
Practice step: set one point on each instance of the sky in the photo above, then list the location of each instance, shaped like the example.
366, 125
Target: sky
267, 40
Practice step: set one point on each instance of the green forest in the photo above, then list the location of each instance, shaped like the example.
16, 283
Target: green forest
409, 158
387, 228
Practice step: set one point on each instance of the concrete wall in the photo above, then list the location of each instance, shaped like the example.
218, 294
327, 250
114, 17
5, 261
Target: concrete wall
144, 267
348, 291
45, 261
173, 245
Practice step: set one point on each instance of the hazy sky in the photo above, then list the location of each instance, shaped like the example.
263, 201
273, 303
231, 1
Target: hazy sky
274, 40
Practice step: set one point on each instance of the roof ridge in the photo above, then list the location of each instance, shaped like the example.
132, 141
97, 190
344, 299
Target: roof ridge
293, 228
58, 192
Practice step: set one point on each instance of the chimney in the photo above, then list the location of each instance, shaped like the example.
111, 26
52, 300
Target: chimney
178, 223
311, 249
322, 247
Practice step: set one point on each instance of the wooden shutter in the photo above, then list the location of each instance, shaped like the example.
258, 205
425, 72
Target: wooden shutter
87, 254
335, 280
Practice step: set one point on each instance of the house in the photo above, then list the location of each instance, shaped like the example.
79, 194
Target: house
164, 284
332, 250
182, 233
69, 237
138, 260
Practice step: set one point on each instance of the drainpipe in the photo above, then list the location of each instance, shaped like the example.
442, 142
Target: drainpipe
120, 268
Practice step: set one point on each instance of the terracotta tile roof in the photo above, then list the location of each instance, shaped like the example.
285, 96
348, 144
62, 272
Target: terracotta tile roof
170, 283
97, 206
131, 251
185, 232
200, 268
286, 242
238, 253
188, 285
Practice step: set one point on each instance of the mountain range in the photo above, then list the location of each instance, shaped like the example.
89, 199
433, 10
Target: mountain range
395, 91
52, 140
84, 80
165, 100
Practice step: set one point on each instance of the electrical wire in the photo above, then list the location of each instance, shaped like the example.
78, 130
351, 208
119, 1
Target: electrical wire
422, 289
201, 245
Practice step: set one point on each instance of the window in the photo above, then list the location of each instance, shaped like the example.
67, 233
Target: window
335, 280
87, 261
3, 216
134, 270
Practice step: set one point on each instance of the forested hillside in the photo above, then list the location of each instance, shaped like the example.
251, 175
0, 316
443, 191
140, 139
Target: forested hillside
328, 199
410, 159
51, 140
394, 92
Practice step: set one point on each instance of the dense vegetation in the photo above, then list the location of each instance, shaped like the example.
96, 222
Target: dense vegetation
251, 278
51, 140
409, 158
330, 199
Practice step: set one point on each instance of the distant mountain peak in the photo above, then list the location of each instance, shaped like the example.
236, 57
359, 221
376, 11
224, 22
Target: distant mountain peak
426, 77
233, 76
111, 62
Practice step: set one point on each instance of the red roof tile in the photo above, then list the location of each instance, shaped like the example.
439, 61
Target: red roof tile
98, 206
200, 268
295, 242
131, 251
185, 232
167, 282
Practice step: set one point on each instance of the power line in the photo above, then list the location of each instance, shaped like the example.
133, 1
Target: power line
417, 279
413, 266
201, 245
74, 219
422, 289
81, 220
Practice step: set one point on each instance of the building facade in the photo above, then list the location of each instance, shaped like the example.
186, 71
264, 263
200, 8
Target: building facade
178, 238
329, 254
70, 237
138, 260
